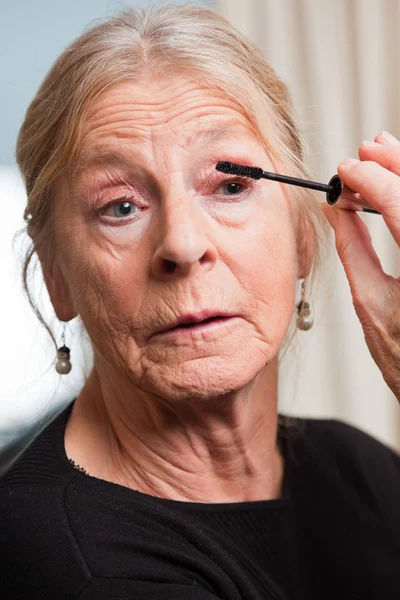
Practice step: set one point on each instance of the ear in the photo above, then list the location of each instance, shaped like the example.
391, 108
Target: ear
58, 289
305, 247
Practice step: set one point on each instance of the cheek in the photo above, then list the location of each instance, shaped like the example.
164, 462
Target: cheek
109, 293
267, 268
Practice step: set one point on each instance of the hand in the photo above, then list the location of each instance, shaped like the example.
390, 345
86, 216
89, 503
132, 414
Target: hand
376, 295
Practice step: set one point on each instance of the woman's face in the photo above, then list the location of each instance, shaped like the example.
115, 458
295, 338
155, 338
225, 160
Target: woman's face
179, 237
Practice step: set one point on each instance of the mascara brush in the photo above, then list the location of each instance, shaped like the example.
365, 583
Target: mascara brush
336, 191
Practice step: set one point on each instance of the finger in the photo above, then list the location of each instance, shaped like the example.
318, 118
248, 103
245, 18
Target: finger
386, 138
354, 246
378, 186
388, 156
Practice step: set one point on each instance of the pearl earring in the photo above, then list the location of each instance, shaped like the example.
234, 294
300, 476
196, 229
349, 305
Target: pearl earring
63, 364
304, 320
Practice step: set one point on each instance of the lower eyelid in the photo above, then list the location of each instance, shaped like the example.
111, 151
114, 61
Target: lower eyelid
115, 222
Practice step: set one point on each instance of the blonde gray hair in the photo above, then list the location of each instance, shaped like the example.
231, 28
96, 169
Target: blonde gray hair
153, 40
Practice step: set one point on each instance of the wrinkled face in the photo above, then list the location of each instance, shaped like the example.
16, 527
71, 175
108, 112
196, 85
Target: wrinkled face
150, 231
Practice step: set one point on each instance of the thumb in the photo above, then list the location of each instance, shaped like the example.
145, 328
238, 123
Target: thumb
354, 246
330, 213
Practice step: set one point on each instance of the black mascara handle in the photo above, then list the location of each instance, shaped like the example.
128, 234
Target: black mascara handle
346, 198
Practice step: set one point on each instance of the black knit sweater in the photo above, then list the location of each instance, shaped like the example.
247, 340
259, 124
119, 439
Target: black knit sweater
334, 534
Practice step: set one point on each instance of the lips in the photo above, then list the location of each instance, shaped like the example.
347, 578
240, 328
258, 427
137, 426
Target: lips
190, 319
191, 323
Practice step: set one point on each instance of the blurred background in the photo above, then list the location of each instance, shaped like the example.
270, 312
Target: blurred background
341, 62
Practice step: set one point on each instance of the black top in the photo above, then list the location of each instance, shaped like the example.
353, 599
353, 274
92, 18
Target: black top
334, 534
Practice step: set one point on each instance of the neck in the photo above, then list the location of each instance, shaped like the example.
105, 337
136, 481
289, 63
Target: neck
222, 449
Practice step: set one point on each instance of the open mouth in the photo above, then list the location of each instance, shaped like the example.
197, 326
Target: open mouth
199, 323
197, 327
193, 328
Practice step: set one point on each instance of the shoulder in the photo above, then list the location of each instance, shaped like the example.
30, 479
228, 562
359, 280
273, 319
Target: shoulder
337, 438
333, 439
37, 476
332, 454
36, 540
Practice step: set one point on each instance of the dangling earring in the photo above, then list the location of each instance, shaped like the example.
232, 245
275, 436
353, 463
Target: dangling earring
63, 364
304, 319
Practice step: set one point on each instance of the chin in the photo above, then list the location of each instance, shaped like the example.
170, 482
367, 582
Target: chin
203, 377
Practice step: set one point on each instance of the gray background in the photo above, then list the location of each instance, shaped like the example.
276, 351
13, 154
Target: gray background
33, 33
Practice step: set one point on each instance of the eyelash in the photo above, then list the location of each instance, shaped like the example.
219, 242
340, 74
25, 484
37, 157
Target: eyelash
245, 181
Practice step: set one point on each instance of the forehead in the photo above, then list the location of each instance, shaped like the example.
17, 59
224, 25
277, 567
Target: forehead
152, 97
179, 106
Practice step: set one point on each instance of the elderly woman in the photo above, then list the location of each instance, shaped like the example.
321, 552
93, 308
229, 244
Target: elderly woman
171, 475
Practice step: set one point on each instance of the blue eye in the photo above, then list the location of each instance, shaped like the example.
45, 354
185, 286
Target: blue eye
233, 188
238, 186
123, 209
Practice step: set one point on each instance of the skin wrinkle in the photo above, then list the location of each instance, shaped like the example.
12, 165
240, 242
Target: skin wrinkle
127, 128
153, 110
159, 91
98, 154
192, 420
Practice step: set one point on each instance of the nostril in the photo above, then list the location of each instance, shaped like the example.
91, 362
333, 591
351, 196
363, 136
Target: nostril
170, 266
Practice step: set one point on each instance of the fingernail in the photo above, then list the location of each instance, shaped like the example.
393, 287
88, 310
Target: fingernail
371, 144
390, 138
348, 162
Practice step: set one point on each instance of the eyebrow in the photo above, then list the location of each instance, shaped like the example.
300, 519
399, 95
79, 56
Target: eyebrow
99, 155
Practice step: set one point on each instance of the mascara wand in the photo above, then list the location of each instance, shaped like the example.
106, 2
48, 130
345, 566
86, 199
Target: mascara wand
335, 191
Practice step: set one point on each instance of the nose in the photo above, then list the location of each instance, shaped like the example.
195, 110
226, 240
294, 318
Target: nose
184, 242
